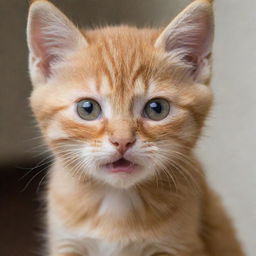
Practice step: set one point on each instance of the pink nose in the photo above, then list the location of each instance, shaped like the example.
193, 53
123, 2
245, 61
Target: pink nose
123, 144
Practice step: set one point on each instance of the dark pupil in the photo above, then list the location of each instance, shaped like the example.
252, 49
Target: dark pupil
88, 107
156, 107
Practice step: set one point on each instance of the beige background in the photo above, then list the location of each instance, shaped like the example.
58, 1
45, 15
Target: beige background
229, 145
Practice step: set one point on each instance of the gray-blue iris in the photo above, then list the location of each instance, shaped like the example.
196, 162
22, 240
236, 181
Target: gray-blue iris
157, 109
88, 109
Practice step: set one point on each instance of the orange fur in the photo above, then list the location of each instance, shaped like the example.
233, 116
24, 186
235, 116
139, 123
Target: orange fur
170, 211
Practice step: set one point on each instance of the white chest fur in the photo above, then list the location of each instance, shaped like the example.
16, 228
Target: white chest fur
120, 202
119, 249
89, 242
70, 243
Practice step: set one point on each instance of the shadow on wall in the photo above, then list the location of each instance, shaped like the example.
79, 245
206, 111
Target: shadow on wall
17, 128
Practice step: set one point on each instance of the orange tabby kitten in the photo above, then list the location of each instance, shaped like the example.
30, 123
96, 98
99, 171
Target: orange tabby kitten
121, 109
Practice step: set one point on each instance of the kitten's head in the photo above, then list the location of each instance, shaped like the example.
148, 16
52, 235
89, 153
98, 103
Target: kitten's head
120, 104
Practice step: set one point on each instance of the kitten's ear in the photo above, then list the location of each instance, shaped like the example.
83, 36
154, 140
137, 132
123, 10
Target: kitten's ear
51, 37
189, 38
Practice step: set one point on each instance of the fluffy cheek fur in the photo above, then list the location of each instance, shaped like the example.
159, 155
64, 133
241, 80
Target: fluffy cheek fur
86, 157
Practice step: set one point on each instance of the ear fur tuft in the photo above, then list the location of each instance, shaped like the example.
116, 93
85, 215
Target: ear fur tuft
189, 38
51, 37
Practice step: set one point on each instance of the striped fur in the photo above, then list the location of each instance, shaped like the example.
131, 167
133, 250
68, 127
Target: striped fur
165, 207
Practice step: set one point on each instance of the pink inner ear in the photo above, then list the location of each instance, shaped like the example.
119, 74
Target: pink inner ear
50, 42
41, 48
192, 39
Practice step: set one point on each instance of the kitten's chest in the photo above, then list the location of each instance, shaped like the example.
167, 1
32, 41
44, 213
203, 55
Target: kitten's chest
104, 248
112, 230
111, 222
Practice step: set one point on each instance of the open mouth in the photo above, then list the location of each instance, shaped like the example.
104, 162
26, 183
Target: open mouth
121, 166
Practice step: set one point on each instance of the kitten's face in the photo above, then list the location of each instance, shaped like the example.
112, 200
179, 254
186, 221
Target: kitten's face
118, 108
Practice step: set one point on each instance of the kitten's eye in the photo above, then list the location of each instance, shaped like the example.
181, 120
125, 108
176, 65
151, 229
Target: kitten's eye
157, 109
88, 109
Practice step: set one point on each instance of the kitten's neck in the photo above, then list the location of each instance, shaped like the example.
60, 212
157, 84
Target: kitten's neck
87, 202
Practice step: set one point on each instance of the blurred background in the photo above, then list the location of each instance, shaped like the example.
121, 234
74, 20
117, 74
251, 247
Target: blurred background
228, 148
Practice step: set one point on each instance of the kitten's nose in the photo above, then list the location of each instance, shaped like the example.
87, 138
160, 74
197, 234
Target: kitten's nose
122, 144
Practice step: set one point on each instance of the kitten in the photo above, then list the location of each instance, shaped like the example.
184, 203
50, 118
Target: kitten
121, 109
